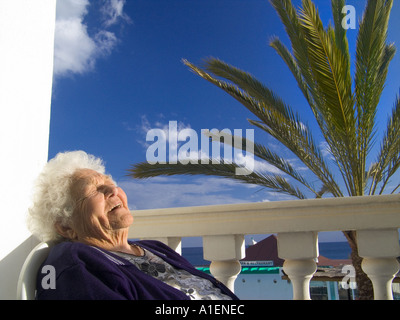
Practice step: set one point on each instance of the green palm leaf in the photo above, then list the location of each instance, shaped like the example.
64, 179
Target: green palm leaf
225, 170
277, 119
373, 56
340, 32
332, 92
272, 158
388, 160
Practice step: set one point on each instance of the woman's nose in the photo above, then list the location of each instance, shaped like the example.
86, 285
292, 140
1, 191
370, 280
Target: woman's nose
110, 191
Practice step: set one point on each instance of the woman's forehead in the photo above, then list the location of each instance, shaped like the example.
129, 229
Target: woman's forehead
89, 176
86, 174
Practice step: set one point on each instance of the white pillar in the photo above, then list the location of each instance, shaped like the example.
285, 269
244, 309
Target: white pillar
226, 272
299, 250
379, 250
224, 252
26, 69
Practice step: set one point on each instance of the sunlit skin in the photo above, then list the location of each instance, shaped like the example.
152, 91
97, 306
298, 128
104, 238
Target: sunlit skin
101, 216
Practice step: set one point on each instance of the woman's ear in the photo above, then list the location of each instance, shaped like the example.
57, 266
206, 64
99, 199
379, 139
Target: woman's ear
65, 231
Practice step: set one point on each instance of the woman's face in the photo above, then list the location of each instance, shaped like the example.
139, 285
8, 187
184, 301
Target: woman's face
101, 207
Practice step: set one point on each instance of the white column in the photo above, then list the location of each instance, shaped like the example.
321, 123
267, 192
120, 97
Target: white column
224, 252
226, 272
26, 70
379, 250
299, 250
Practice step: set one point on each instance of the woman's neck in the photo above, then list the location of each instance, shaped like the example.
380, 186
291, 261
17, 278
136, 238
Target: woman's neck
114, 242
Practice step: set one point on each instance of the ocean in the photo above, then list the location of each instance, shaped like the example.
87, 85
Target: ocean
331, 250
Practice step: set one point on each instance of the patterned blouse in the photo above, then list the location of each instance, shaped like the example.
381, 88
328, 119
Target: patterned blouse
193, 286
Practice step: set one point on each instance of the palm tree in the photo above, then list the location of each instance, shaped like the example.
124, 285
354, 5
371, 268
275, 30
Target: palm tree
344, 108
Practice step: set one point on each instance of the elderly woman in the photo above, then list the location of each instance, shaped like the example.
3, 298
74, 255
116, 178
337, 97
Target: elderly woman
80, 209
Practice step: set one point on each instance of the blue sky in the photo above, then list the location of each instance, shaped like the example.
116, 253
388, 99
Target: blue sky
118, 74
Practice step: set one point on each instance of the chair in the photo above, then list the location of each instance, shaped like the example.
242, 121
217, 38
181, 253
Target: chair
26, 286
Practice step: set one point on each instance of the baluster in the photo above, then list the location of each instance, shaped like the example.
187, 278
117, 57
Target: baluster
224, 252
299, 250
226, 272
379, 250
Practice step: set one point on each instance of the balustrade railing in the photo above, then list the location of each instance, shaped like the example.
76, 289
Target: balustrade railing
296, 223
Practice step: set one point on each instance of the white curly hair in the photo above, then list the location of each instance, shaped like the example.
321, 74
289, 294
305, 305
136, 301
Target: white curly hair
52, 201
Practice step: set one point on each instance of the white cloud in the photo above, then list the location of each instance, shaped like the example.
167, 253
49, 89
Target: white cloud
297, 164
277, 196
105, 41
145, 126
75, 50
257, 165
113, 11
326, 150
169, 192
67, 9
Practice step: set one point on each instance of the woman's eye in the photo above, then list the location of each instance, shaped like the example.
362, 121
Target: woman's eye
105, 187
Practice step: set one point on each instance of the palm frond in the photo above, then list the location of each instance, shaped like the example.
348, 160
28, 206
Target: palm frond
232, 90
226, 170
330, 72
290, 19
283, 165
373, 56
395, 189
298, 62
284, 126
247, 83
388, 160
302, 145
293, 66
332, 92
272, 158
340, 32
321, 69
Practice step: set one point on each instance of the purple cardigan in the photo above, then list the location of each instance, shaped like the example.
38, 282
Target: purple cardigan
89, 273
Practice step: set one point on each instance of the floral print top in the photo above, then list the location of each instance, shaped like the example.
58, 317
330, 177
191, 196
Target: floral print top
193, 286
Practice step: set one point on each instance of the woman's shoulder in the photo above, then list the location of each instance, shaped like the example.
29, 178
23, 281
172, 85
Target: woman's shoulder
68, 253
68, 248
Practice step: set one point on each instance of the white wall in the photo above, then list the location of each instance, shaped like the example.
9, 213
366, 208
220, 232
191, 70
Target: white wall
26, 68
263, 287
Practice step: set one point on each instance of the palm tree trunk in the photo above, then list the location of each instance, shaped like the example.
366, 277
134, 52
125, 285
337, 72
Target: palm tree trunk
364, 284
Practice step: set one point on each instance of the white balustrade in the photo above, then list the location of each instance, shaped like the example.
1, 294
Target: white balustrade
299, 250
224, 252
379, 250
297, 223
